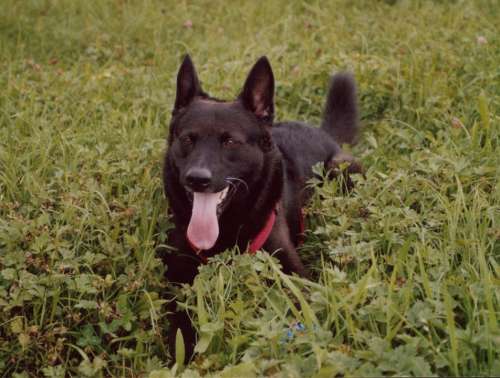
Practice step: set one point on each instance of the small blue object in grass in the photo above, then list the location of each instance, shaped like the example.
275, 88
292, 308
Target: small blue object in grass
295, 327
300, 326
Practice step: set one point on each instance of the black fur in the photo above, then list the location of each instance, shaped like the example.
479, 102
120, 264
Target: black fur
340, 117
269, 163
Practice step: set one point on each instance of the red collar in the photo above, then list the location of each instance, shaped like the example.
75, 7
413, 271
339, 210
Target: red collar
263, 234
256, 243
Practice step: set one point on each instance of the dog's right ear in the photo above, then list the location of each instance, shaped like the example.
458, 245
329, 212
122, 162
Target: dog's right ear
188, 85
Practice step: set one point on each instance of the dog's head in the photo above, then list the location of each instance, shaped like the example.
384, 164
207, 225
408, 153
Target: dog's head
219, 147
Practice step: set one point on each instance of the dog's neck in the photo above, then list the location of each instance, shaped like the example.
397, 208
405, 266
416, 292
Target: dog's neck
265, 194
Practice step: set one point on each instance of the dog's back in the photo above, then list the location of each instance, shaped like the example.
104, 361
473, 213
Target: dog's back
302, 146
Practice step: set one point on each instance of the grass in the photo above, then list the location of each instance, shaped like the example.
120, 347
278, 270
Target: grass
406, 268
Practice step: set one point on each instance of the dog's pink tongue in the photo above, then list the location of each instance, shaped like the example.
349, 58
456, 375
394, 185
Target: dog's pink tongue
203, 228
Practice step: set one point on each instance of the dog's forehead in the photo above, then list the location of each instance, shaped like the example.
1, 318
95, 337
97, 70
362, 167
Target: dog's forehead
214, 116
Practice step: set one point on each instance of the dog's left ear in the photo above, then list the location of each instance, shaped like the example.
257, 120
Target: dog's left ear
258, 92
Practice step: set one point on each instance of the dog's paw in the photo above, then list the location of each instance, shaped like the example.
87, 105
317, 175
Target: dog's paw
342, 166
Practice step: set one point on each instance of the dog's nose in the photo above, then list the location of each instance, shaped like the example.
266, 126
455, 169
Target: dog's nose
198, 179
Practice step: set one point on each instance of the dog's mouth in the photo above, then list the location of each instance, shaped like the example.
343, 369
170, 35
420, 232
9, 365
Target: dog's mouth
223, 199
203, 228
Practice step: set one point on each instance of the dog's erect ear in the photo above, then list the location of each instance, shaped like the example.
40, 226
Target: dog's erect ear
188, 85
258, 91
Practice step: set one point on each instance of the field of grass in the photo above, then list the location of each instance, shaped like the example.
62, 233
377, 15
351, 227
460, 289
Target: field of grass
406, 268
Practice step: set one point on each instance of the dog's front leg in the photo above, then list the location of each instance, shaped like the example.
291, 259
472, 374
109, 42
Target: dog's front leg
182, 267
280, 244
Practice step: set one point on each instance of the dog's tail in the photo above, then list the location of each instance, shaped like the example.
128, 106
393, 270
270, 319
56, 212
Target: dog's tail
340, 116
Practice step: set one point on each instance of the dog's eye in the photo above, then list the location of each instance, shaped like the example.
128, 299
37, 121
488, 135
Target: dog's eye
187, 140
229, 142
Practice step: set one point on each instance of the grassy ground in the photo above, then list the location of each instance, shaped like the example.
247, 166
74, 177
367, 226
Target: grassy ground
407, 267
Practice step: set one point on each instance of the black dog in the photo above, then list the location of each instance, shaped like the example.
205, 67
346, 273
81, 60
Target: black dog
234, 178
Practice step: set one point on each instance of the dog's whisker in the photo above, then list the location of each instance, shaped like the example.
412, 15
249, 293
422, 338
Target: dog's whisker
231, 184
230, 179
